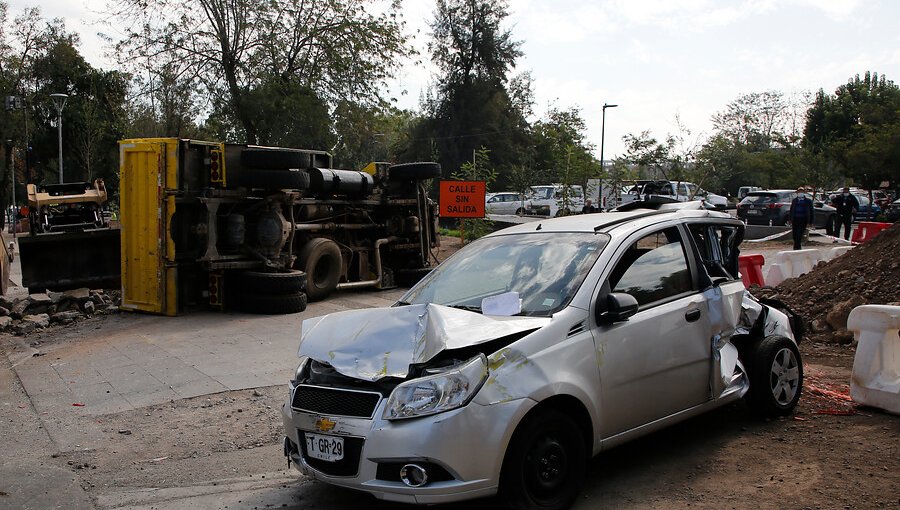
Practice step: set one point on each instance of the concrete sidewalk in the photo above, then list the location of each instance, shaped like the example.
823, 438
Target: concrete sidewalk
129, 361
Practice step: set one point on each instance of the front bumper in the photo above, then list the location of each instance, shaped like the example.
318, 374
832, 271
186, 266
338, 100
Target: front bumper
468, 444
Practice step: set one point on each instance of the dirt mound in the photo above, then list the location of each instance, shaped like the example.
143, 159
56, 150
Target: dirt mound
824, 297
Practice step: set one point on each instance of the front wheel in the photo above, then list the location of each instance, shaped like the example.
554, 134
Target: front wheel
545, 463
776, 376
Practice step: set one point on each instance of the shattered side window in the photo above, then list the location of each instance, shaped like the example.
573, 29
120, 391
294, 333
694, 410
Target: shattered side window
717, 249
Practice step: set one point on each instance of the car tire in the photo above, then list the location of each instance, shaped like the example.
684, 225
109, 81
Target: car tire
274, 159
320, 259
414, 171
520, 211
545, 463
258, 282
277, 179
775, 370
272, 304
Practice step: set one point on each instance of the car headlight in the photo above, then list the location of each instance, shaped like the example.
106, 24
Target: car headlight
437, 393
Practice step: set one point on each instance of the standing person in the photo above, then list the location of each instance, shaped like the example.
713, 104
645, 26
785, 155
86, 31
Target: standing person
801, 215
588, 207
846, 205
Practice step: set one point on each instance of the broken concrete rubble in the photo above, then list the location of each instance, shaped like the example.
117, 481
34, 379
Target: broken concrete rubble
24, 314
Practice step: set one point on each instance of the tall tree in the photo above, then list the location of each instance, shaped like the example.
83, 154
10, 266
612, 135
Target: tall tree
291, 53
858, 127
472, 105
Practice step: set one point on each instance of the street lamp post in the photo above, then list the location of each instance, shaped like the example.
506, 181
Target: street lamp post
603, 131
60, 101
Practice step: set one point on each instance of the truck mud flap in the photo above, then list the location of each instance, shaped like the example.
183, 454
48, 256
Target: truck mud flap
71, 260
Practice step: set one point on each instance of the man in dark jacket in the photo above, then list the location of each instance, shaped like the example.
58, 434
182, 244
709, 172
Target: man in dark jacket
801, 215
846, 205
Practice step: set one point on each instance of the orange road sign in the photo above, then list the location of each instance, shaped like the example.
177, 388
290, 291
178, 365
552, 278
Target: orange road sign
462, 199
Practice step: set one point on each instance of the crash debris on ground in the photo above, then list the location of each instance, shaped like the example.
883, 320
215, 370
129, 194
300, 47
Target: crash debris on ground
30, 312
824, 297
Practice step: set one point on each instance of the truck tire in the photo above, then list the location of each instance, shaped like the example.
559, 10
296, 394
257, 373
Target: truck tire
258, 282
278, 179
274, 159
414, 171
321, 260
272, 304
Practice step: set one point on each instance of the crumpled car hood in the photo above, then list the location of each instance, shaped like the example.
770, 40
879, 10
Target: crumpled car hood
374, 343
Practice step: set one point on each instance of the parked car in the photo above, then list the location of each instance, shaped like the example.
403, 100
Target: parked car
772, 207
743, 190
533, 349
867, 210
507, 202
681, 191
550, 200
893, 211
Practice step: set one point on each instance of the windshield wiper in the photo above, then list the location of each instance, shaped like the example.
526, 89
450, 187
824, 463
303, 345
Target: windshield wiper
469, 308
402, 303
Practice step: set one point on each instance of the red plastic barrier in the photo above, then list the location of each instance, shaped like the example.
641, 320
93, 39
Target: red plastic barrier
751, 269
867, 230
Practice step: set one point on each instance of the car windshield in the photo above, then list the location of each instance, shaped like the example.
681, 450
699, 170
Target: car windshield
544, 269
761, 198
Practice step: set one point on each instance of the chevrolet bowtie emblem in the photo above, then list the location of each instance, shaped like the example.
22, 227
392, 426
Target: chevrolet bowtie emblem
324, 424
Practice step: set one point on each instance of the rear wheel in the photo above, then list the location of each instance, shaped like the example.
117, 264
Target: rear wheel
277, 179
277, 304
414, 171
258, 282
321, 260
545, 463
275, 159
776, 376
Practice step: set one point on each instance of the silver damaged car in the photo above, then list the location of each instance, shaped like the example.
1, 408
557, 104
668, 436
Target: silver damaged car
529, 351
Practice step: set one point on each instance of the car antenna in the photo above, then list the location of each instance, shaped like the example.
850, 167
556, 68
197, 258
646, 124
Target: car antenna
538, 227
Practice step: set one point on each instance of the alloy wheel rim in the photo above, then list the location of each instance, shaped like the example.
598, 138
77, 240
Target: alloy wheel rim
785, 376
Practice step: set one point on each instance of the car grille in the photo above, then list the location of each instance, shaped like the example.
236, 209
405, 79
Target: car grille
335, 401
348, 466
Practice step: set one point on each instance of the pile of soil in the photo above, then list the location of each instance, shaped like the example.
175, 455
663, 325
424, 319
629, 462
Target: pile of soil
867, 274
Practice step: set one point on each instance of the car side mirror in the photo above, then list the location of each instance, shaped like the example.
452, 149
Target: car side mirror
619, 307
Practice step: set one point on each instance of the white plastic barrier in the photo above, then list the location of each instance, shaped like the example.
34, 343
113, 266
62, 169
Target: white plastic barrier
836, 252
876, 367
791, 264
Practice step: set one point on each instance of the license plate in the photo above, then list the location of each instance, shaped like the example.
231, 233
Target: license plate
322, 447
753, 212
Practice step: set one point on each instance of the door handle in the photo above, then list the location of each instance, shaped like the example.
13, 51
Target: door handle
692, 315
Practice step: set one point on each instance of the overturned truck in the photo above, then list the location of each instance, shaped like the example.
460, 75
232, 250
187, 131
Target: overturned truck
264, 229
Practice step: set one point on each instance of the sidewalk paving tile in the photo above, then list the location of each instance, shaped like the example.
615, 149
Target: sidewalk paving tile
198, 387
156, 395
240, 381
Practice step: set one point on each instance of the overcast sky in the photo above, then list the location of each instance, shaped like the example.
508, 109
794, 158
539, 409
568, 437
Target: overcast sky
654, 58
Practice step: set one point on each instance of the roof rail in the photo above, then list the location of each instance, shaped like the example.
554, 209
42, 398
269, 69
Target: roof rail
626, 219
